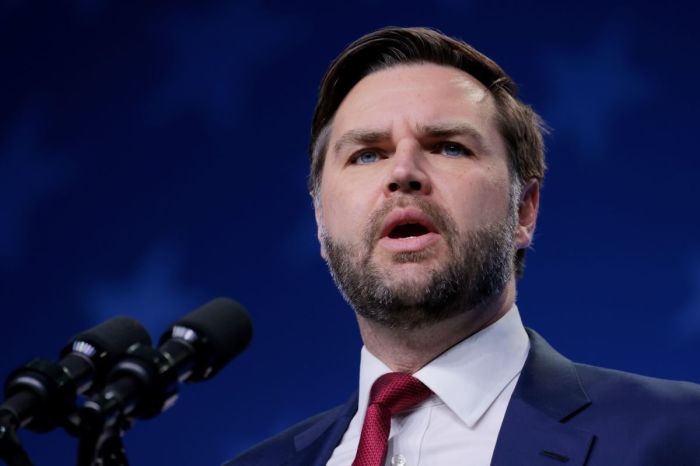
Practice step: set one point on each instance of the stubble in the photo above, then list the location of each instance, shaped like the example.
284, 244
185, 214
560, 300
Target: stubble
478, 266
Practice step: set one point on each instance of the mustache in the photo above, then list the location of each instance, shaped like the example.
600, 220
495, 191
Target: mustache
439, 217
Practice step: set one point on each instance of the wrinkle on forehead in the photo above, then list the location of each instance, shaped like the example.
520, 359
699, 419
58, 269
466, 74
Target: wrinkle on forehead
420, 95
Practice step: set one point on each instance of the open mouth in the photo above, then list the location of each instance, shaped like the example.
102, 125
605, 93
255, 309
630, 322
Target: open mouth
408, 230
407, 223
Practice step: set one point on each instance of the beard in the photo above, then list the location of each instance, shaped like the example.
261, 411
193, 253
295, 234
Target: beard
478, 267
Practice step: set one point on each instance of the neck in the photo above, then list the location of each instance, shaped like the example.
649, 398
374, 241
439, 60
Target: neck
408, 350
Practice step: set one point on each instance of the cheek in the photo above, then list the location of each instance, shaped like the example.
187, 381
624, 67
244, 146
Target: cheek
341, 212
479, 201
348, 202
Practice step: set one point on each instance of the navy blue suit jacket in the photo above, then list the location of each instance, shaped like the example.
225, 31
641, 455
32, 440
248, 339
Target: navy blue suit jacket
561, 413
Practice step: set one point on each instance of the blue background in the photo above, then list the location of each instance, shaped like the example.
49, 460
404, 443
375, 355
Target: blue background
153, 156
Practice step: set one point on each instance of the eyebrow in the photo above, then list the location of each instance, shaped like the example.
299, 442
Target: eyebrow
360, 137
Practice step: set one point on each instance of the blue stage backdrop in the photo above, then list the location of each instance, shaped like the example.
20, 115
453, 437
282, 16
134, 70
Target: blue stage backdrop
153, 156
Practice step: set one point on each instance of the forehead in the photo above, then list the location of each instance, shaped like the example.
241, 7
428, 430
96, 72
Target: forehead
417, 94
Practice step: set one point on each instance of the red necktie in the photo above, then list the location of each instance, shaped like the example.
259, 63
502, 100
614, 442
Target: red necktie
390, 394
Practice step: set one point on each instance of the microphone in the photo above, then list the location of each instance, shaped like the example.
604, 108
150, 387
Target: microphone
144, 382
42, 393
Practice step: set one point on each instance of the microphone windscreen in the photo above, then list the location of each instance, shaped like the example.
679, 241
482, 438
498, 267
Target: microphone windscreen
113, 336
224, 329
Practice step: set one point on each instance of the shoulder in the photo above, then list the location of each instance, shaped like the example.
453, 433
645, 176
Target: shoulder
656, 420
276, 449
618, 390
635, 386
553, 374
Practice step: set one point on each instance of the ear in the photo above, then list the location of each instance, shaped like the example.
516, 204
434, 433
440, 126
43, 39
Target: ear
319, 222
527, 214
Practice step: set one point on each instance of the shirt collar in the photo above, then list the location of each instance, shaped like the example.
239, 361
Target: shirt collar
469, 376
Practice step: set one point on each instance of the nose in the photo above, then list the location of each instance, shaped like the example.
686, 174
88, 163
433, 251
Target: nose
407, 174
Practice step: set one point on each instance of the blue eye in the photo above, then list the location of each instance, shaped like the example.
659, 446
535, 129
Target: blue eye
452, 149
366, 157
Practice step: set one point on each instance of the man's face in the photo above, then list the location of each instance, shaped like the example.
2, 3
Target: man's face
415, 208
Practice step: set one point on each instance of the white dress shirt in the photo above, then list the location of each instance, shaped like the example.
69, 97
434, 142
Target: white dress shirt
472, 384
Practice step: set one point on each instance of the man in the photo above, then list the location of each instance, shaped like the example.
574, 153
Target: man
425, 177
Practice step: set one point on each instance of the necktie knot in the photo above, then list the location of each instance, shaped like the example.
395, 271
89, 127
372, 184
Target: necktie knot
397, 392
391, 394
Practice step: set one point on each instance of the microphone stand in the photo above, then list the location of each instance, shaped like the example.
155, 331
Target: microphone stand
101, 443
11, 450
102, 421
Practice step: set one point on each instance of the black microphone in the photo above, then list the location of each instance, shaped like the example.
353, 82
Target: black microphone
42, 393
145, 382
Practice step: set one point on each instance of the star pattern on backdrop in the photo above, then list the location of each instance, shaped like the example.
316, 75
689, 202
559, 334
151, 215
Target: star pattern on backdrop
29, 173
151, 292
592, 87
212, 84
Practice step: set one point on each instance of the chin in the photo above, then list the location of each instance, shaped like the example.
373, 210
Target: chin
414, 277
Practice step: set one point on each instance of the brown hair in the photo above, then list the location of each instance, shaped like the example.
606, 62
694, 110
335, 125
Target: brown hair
520, 127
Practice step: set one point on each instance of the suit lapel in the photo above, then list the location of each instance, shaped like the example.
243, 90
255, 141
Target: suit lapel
534, 430
529, 437
315, 445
